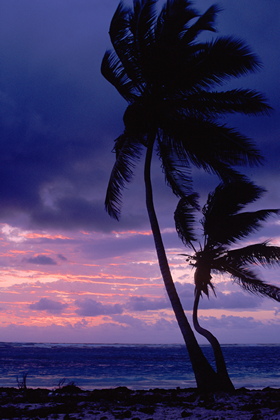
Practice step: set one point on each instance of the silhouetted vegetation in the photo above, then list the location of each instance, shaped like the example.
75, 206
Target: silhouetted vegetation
171, 80
223, 224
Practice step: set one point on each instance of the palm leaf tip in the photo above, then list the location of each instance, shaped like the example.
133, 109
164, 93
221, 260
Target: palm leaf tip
144, 18
113, 204
229, 57
128, 152
262, 289
119, 22
205, 22
184, 219
262, 253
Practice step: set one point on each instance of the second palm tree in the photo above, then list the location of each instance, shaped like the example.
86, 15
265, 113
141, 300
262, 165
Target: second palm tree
223, 225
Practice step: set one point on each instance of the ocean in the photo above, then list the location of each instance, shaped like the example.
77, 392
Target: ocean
95, 366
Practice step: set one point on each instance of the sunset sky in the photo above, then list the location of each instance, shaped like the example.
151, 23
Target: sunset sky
69, 273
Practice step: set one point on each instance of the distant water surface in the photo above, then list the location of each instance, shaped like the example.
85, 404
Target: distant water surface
92, 366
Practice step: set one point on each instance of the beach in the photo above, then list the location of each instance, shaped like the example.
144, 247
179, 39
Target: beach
71, 402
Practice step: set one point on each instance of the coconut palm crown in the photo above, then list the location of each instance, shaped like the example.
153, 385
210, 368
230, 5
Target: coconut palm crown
224, 224
171, 81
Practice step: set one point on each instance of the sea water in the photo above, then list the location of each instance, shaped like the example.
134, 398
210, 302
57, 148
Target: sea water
93, 366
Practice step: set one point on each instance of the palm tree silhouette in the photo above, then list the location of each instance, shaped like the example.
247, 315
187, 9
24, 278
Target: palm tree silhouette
166, 77
223, 225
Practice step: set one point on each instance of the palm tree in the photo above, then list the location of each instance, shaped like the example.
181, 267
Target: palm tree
166, 76
223, 225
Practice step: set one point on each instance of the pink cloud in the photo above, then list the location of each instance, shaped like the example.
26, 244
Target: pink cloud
127, 329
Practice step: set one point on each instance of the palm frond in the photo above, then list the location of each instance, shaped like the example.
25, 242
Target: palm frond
177, 171
206, 140
241, 225
229, 198
216, 61
209, 146
204, 23
205, 288
113, 71
173, 20
125, 45
245, 101
128, 153
143, 22
233, 228
262, 253
224, 171
185, 219
120, 28
222, 224
251, 283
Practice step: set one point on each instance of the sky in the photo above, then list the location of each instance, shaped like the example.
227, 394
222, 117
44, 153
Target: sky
69, 273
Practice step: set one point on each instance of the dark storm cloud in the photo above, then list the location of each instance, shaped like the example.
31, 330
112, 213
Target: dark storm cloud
48, 305
41, 260
59, 117
55, 111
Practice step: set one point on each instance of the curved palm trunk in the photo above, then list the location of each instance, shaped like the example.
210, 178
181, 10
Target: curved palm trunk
218, 354
206, 378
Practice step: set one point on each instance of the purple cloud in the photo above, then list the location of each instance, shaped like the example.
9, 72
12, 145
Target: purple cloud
141, 303
41, 260
48, 305
61, 257
90, 307
234, 300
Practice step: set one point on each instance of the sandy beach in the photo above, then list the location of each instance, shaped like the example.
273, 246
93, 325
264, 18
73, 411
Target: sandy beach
70, 402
